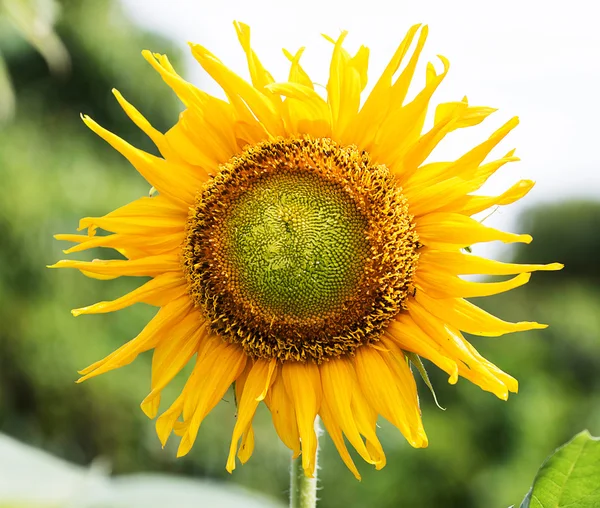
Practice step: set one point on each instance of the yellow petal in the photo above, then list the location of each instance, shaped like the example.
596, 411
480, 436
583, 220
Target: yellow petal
347, 79
366, 420
460, 263
469, 205
204, 135
440, 284
470, 365
465, 316
297, 73
132, 246
217, 369
259, 75
303, 387
404, 332
259, 377
178, 181
150, 266
158, 327
172, 355
335, 433
144, 125
407, 387
139, 215
247, 446
305, 111
385, 96
283, 415
472, 115
454, 231
463, 176
172, 283
380, 386
240, 93
422, 148
402, 128
339, 384
167, 420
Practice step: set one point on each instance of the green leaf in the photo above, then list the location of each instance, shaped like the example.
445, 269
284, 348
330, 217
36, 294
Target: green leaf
415, 360
570, 477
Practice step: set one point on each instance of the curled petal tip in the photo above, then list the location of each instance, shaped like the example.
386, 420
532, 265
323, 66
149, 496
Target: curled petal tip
525, 238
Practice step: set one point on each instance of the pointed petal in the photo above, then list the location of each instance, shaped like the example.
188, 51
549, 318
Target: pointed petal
305, 111
439, 284
157, 328
178, 181
150, 266
470, 365
171, 282
404, 332
218, 368
469, 205
460, 263
284, 415
248, 101
465, 316
303, 386
172, 355
379, 383
339, 383
335, 432
297, 73
258, 381
454, 231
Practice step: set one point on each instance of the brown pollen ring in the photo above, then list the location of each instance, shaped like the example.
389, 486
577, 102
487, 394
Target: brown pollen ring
300, 249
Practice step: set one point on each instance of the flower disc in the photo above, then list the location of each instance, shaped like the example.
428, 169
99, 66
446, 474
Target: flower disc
300, 249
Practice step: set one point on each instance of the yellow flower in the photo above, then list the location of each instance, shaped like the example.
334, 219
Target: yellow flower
305, 249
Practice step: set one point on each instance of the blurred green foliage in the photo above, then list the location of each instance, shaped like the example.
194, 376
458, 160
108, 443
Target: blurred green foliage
483, 452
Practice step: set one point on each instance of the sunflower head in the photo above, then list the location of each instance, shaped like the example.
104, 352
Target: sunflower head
300, 249
307, 249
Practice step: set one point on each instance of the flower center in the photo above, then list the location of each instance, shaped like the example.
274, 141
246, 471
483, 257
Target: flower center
295, 245
300, 249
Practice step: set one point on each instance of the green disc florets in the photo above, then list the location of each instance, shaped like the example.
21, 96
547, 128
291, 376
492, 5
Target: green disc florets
300, 249
296, 243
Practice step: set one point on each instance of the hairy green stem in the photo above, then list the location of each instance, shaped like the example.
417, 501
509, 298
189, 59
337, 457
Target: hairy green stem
303, 490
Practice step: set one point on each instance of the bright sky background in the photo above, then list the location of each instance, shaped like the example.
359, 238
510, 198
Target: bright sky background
535, 59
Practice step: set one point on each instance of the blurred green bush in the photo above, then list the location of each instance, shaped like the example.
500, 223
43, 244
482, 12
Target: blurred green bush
482, 453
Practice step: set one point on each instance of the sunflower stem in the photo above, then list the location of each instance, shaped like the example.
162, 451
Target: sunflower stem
303, 490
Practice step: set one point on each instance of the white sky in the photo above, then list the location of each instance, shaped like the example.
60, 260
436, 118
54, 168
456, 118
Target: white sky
535, 59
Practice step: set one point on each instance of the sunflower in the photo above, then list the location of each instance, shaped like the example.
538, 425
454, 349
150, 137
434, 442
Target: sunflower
306, 250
